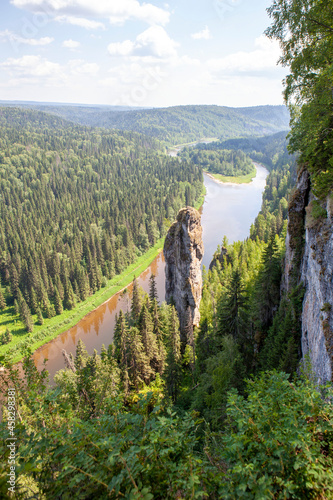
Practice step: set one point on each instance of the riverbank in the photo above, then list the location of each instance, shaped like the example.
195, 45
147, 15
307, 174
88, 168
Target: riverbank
59, 324
231, 180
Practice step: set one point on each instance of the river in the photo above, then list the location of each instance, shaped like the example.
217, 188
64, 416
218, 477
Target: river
229, 209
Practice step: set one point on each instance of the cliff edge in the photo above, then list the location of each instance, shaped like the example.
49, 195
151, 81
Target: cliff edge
309, 261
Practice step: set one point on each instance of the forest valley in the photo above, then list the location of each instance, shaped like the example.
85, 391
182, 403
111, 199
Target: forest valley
231, 412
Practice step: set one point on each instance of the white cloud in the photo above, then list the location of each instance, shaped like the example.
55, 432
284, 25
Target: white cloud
40, 71
27, 66
80, 21
117, 11
264, 57
121, 48
202, 35
152, 43
80, 67
71, 44
17, 39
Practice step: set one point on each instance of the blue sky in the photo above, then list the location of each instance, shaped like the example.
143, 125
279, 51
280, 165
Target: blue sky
134, 53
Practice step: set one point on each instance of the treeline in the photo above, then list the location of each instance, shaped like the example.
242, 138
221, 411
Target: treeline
222, 161
177, 124
77, 206
271, 150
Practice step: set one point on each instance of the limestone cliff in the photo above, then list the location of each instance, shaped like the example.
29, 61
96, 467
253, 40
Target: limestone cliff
309, 260
183, 252
317, 275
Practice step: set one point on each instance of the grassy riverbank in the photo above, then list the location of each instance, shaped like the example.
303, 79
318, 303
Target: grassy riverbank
241, 179
58, 324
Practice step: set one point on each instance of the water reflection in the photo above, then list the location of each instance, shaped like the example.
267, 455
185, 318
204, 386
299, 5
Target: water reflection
228, 210
97, 327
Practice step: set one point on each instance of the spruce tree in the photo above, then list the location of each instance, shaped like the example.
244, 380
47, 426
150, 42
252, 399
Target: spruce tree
120, 339
139, 370
40, 319
69, 299
81, 355
136, 301
57, 302
173, 372
152, 289
2, 300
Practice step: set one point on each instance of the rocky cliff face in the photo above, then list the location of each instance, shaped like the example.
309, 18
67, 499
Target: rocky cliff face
317, 275
309, 260
183, 252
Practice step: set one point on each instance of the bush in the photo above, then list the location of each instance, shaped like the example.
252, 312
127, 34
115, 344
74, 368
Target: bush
280, 441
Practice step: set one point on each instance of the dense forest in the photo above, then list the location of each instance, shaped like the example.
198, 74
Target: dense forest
267, 150
223, 161
179, 124
77, 206
152, 417
230, 412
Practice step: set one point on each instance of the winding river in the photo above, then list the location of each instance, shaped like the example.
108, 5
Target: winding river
229, 209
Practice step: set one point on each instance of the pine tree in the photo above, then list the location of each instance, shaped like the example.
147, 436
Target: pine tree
173, 372
149, 340
14, 281
16, 307
69, 299
26, 316
136, 302
40, 319
120, 339
233, 317
81, 355
139, 370
57, 302
267, 292
2, 300
152, 289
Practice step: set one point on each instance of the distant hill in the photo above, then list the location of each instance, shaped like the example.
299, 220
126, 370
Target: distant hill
174, 125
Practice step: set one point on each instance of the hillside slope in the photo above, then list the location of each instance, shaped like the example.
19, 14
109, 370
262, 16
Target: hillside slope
178, 124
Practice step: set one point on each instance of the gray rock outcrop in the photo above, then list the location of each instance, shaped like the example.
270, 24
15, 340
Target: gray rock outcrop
309, 260
183, 252
317, 314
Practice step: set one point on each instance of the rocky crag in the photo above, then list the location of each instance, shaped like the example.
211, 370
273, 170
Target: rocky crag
309, 260
183, 252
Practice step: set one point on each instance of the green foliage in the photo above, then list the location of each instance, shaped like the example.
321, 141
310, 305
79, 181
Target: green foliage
304, 30
279, 441
80, 205
281, 349
6, 337
224, 162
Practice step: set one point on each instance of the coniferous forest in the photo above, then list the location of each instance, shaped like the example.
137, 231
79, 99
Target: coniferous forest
227, 410
78, 205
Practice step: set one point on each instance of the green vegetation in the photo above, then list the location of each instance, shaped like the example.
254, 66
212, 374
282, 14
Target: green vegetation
78, 207
52, 327
224, 164
240, 179
151, 417
228, 413
307, 51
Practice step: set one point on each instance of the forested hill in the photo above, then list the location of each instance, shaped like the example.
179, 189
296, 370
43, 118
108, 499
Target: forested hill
77, 206
178, 124
267, 150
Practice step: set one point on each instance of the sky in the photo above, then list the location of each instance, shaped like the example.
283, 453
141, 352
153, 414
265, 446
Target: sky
135, 53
